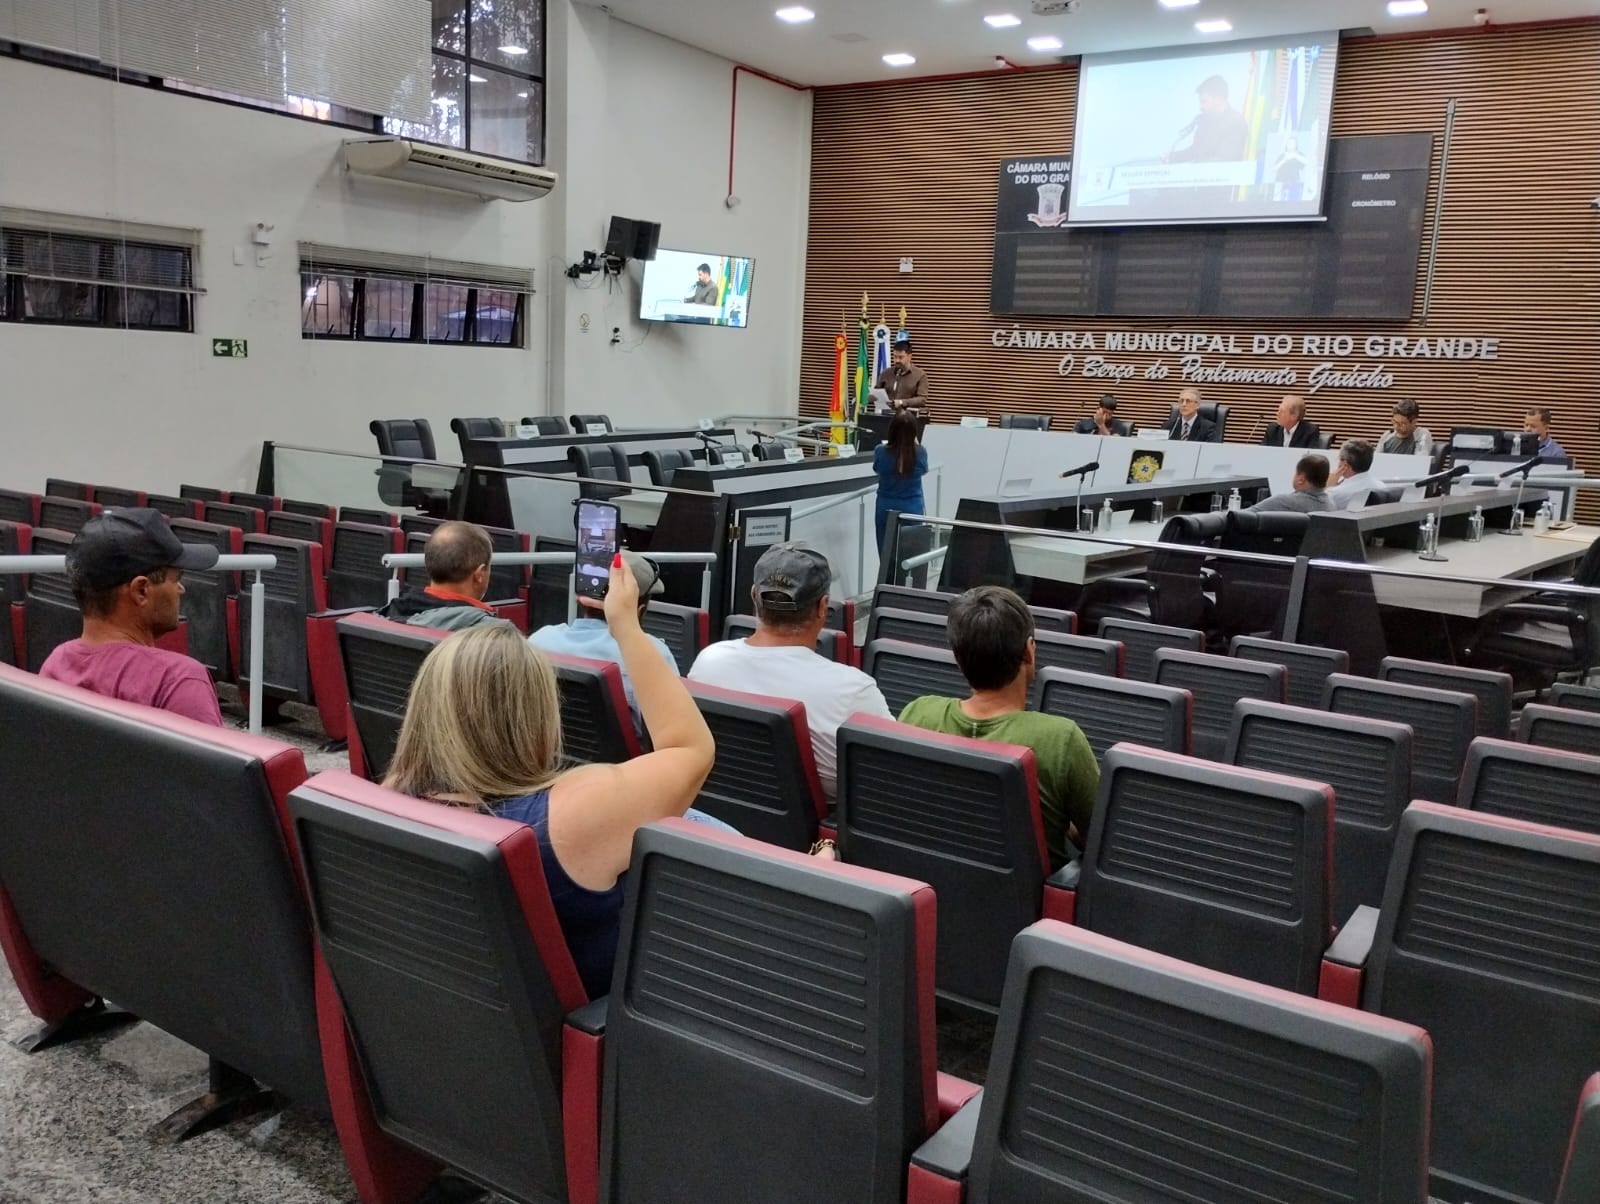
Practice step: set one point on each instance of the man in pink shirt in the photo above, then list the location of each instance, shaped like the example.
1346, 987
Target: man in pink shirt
126, 569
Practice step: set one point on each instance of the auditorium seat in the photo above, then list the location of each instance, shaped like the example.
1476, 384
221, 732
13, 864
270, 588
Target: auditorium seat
782, 1008
1251, 596
19, 507
407, 438
550, 585
764, 782
1540, 785
468, 429
149, 867
683, 629
356, 576
263, 502
211, 600
1217, 683
1123, 1077
508, 583
127, 499
420, 524
717, 456
65, 514
1025, 422
596, 722
16, 539
458, 1025
1227, 868
173, 507
1578, 698
226, 514
1491, 689
1487, 939
1307, 665
835, 645
906, 671
769, 449
1549, 726
379, 660
664, 463
1140, 642
303, 527
78, 491
311, 509
1109, 710
1366, 761
49, 609
600, 462
202, 493
1053, 650
910, 627
582, 422
1580, 1182
547, 424
368, 517
1173, 591
1214, 412
1443, 723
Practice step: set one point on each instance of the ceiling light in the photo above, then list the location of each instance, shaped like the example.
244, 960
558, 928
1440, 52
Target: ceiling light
1179, 3
1048, 41
1220, 25
1002, 20
476, 79
899, 59
513, 50
795, 14
1407, 8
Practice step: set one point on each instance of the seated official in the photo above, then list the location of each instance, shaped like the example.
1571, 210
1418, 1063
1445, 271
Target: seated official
904, 382
1352, 477
1537, 421
456, 559
1291, 429
790, 592
1406, 437
991, 633
1187, 425
588, 635
483, 730
1104, 421
1310, 492
126, 569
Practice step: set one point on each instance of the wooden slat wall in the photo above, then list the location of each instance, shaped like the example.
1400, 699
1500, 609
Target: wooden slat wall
910, 169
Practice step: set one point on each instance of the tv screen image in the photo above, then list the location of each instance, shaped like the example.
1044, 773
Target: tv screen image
1229, 133
697, 288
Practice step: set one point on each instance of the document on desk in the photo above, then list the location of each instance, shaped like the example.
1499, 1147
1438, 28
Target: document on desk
1574, 534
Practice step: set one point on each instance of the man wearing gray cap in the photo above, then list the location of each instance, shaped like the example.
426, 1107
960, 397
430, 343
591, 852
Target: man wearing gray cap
126, 568
588, 635
790, 592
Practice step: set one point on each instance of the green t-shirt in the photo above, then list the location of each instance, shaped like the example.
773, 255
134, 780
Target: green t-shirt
1069, 776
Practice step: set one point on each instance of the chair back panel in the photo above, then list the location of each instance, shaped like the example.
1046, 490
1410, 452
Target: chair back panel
1560, 727
225, 514
65, 514
906, 671
381, 660
1491, 689
356, 576
1110, 710
596, 722
1218, 683
764, 782
291, 597
1564, 694
1540, 785
1141, 641
909, 627
1443, 723
108, 496
685, 630
1084, 653
76, 490
19, 507
1307, 666
16, 539
51, 613
206, 597
549, 589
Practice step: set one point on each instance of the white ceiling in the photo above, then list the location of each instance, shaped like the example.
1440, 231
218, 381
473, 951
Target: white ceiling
950, 36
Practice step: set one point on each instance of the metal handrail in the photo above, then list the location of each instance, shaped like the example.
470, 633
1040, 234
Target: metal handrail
225, 564
807, 512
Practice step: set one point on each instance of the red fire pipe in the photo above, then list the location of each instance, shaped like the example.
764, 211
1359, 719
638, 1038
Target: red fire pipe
733, 108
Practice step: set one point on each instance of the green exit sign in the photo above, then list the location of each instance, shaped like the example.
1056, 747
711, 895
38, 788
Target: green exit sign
235, 349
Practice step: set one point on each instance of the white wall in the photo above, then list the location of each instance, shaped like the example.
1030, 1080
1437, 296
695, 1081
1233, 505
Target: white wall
637, 125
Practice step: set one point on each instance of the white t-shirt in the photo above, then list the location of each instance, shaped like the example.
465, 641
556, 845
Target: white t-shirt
830, 691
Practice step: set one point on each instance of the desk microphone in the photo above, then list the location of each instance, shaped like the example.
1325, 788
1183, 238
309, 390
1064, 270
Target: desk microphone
1524, 468
1081, 470
1251, 437
707, 440
760, 436
1439, 478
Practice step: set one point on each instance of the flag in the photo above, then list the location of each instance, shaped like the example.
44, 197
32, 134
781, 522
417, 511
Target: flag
863, 363
882, 342
838, 406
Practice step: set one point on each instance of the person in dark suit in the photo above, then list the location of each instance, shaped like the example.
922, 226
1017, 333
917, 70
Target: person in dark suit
1291, 429
1187, 426
1104, 421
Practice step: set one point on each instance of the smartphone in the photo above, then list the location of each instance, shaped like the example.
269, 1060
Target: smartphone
598, 524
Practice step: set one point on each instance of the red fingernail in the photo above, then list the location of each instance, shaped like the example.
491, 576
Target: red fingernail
616, 563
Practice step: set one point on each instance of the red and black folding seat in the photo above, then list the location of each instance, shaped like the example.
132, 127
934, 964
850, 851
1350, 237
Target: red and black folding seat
685, 630
1487, 938
367, 516
1492, 689
305, 527
202, 493
290, 505
211, 600
65, 514
1562, 694
263, 502
786, 1005
550, 585
49, 609
934, 602
356, 575
907, 671
1227, 868
1560, 727
1125, 1077
16, 539
596, 721
1442, 723
961, 815
1308, 666
19, 507
1216, 683
466, 1026
764, 782
173, 507
380, 660
78, 491
1525, 781
126, 499
247, 519
1367, 762
1113, 710
1142, 640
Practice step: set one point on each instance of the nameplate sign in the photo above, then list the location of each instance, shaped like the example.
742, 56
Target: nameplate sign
794, 455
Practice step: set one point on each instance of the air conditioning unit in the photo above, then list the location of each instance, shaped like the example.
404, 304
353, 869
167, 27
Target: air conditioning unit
442, 167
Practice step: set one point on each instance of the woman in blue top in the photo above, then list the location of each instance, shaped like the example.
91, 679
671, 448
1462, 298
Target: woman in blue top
901, 463
483, 729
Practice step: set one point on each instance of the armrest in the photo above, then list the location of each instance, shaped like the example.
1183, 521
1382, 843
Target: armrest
1060, 900
939, 1167
1344, 964
582, 1062
590, 1019
954, 1094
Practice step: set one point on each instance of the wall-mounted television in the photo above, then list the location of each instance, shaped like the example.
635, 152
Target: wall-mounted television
697, 288
1192, 134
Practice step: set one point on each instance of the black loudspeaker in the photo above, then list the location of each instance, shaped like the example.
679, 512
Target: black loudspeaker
646, 237
620, 238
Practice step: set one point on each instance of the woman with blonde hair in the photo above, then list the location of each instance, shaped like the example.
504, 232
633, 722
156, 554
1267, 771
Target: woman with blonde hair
483, 729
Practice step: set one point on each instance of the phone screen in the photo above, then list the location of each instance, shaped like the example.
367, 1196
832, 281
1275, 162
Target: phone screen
597, 547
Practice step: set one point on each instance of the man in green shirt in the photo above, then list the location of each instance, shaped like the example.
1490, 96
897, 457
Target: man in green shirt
991, 633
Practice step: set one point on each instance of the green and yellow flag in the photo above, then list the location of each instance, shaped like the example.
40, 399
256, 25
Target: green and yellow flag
863, 362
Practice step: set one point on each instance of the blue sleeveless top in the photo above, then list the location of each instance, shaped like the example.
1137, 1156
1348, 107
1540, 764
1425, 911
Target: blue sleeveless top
589, 919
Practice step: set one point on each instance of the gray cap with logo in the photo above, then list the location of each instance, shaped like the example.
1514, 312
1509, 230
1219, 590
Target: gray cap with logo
791, 578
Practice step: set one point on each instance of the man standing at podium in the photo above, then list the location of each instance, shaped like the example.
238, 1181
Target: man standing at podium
904, 382
1291, 429
705, 288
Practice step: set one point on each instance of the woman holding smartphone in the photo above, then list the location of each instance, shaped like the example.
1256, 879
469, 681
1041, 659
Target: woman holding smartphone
483, 730
900, 462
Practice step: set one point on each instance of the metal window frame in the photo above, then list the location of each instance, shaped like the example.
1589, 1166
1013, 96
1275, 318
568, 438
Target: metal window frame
469, 60
14, 283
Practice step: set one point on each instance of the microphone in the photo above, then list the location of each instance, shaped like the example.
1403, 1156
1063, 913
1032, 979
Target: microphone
1251, 438
1081, 470
760, 436
1439, 478
707, 440
1524, 468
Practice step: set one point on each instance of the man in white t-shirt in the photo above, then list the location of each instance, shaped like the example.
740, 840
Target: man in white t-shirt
790, 592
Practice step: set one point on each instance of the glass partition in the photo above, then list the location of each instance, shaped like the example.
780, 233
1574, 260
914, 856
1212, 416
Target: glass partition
364, 482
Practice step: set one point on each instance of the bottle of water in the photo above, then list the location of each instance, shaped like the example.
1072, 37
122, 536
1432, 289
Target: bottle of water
1216, 503
1235, 502
1541, 521
1475, 526
1106, 511
1158, 512
1430, 537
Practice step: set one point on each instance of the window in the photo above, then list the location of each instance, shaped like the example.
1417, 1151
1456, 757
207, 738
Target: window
488, 85
378, 297
71, 271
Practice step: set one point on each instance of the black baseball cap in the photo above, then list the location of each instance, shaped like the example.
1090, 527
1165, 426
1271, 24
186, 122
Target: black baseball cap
118, 545
791, 578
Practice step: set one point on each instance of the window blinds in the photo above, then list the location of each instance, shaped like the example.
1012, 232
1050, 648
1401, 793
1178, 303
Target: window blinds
88, 250
348, 261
